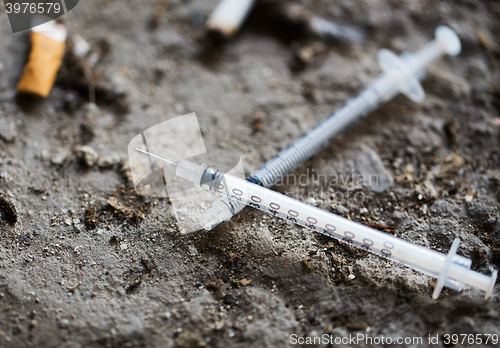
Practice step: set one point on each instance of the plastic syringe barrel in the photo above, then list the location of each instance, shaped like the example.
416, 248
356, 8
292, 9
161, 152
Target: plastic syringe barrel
400, 75
318, 137
454, 270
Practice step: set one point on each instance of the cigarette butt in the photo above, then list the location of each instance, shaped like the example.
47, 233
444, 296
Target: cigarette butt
47, 51
298, 15
228, 17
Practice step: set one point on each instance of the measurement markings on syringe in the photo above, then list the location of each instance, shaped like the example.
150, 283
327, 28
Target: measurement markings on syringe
311, 223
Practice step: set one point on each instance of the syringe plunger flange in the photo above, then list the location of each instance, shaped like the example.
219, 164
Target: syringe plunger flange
443, 278
448, 39
406, 71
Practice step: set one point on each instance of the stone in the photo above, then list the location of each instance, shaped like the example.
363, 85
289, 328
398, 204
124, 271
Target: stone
87, 154
63, 324
108, 161
8, 130
60, 157
372, 171
25, 239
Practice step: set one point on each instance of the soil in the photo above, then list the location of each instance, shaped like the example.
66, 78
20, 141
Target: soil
86, 262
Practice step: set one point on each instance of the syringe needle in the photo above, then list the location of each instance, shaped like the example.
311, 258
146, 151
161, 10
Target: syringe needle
158, 157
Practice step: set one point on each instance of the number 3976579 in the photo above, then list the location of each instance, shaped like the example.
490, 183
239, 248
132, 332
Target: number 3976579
33, 7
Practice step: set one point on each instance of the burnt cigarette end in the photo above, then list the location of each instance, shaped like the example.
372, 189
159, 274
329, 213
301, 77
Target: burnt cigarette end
217, 37
227, 18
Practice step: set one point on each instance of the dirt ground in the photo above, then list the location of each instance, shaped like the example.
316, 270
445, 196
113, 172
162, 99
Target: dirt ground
88, 263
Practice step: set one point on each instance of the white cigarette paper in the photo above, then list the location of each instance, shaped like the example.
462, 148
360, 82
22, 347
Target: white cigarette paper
228, 16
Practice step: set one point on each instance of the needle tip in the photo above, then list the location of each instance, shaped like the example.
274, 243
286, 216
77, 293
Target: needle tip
158, 157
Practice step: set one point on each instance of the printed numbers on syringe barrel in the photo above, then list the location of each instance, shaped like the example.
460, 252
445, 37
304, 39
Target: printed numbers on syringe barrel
310, 223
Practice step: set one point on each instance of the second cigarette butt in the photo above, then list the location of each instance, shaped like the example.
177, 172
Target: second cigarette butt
47, 52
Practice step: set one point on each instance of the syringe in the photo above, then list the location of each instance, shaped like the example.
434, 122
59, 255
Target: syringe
452, 270
401, 75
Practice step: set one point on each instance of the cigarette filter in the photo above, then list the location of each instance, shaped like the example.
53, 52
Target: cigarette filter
47, 51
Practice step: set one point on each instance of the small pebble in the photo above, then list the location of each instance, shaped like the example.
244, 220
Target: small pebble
229, 299
71, 101
77, 228
64, 323
179, 108
409, 169
244, 282
313, 201
88, 154
108, 161
371, 168
192, 250
8, 130
59, 158
25, 239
